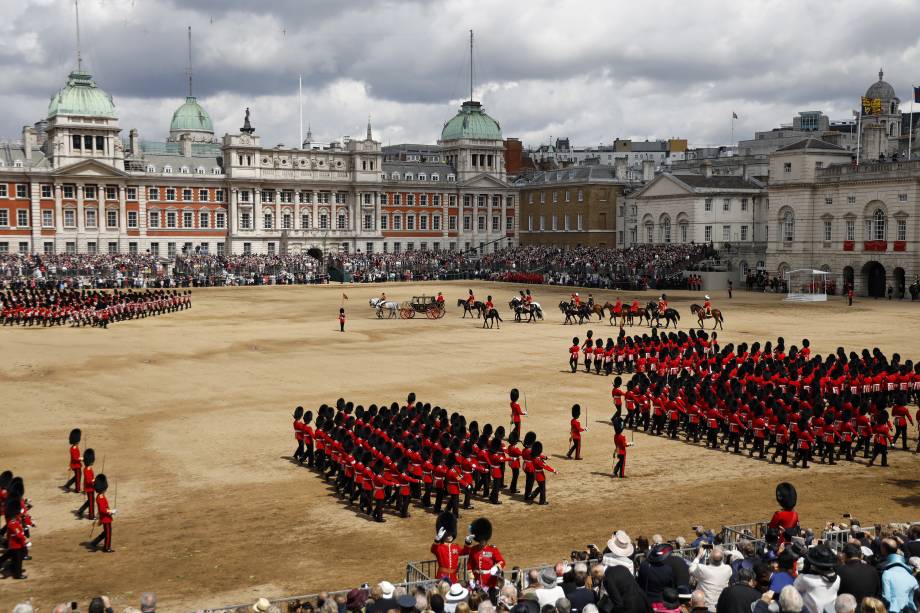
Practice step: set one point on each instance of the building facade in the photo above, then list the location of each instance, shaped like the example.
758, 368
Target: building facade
574, 207
72, 185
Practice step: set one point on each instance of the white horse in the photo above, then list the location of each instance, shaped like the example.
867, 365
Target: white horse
381, 305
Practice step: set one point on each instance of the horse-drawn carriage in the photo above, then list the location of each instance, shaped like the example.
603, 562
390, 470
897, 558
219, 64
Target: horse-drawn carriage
428, 305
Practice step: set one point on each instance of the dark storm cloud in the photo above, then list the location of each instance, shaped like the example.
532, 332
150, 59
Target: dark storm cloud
588, 70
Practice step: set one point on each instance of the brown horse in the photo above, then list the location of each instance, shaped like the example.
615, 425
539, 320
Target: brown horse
598, 310
701, 315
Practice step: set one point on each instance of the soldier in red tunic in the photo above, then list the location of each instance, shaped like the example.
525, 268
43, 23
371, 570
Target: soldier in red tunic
298, 434
516, 412
497, 459
900, 416
575, 431
539, 468
620, 445
445, 551
881, 438
785, 522
17, 543
75, 460
485, 560
106, 514
514, 461
89, 478
527, 457
573, 354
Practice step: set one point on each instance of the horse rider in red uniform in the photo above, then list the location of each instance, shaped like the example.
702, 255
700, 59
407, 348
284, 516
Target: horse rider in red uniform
707, 306
444, 549
662, 304
470, 299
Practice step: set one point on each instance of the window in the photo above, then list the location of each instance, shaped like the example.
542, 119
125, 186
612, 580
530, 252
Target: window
47, 219
423, 222
68, 191
286, 221
271, 248
341, 222
4, 217
368, 222
851, 199
168, 170
787, 166
204, 219
90, 218
410, 199
828, 199
220, 221
131, 193
555, 196
683, 233
22, 190
542, 223
48, 248
170, 219
154, 193
649, 236
89, 192
91, 247
70, 218
568, 196
70, 247
100, 143
707, 204
154, 219
666, 231
267, 221
287, 196
202, 195
435, 177
828, 228
452, 222
244, 196
246, 220
170, 194
422, 176
467, 223
707, 234
397, 199
902, 197
111, 218
397, 222
46, 191
22, 218
851, 230
383, 222
220, 249
436, 222
76, 141
188, 219
268, 196
878, 225
788, 227
530, 223
744, 233
410, 222
481, 223
383, 199
726, 204
247, 248
155, 249
555, 225
581, 196
902, 230
423, 200
171, 250
744, 204
110, 193
579, 226
324, 221
219, 197
451, 178
113, 247
132, 219
495, 223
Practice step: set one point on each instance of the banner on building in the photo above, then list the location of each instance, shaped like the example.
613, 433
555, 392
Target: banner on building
871, 106
916, 94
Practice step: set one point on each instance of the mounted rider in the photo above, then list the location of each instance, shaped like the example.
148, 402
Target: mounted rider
662, 304
590, 301
489, 305
528, 298
470, 299
707, 306
576, 300
440, 300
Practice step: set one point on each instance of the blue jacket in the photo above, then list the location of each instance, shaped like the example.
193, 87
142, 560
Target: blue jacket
898, 584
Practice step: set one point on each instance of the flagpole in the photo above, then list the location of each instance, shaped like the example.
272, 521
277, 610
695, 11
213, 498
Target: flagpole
733, 130
910, 122
858, 134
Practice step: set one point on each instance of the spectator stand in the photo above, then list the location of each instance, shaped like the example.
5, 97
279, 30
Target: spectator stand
735, 533
836, 538
806, 285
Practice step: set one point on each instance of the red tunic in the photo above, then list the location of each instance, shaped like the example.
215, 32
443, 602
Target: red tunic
481, 561
448, 557
75, 457
620, 441
575, 429
105, 515
516, 413
538, 467
15, 535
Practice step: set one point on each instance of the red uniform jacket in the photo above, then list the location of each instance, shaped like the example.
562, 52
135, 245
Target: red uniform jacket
539, 465
105, 515
15, 535
75, 457
448, 556
88, 477
516, 413
481, 560
620, 441
575, 429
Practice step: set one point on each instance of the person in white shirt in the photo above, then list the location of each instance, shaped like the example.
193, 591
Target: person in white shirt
550, 591
711, 578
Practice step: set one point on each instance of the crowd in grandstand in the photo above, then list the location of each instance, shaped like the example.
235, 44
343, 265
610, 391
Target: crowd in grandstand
43, 307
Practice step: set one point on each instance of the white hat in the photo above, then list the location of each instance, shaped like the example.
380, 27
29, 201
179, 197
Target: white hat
707, 297
387, 588
620, 544
867, 553
914, 561
457, 593
262, 605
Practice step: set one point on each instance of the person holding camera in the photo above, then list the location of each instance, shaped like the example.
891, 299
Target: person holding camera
712, 577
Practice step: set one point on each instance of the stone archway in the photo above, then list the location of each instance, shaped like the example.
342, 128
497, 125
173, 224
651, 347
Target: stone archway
873, 277
315, 253
848, 277
900, 285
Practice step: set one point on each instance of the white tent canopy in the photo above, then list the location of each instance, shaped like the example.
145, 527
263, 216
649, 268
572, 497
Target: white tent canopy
806, 285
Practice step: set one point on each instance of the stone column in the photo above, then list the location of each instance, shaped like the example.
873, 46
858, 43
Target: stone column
123, 220
502, 221
81, 222
142, 217
233, 213
35, 191
314, 198
101, 225
277, 210
296, 225
58, 214
257, 210
445, 215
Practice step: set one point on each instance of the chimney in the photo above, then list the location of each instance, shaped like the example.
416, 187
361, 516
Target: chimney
185, 142
28, 141
706, 168
134, 143
648, 170
619, 169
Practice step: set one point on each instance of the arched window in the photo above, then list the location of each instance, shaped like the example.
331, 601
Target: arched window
878, 225
788, 229
648, 233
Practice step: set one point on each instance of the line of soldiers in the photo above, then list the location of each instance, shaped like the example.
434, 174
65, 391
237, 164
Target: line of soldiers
390, 455
93, 487
53, 307
17, 524
762, 398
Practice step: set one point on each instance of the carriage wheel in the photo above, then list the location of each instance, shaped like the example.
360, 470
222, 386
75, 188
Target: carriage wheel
406, 313
411, 313
441, 313
431, 312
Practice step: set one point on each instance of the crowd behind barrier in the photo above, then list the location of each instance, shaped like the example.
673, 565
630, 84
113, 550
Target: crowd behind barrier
638, 267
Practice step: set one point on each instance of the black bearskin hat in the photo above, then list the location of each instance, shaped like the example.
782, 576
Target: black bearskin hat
496, 445
298, 412
575, 340
89, 457
101, 484
786, 495
515, 394
499, 433
17, 488
617, 381
536, 450
530, 438
514, 438
307, 417
481, 529
5, 477
411, 397
13, 508
617, 424
448, 523
576, 411
75, 436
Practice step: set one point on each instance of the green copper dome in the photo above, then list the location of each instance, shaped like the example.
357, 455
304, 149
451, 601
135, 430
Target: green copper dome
81, 96
471, 122
191, 116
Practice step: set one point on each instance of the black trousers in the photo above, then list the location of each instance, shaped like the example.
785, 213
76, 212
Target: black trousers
576, 449
105, 535
845, 450
15, 556
298, 453
540, 491
802, 455
514, 479
528, 484
757, 447
782, 450
496, 488
828, 453
902, 432
619, 469
712, 437
573, 364
879, 450
734, 440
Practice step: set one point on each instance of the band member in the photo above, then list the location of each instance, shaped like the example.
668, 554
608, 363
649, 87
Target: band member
89, 478
575, 431
573, 354
516, 412
75, 460
445, 551
485, 560
307, 432
341, 320
17, 543
527, 456
497, 459
298, 433
514, 460
539, 466
786, 521
900, 416
106, 514
881, 438
619, 453
587, 349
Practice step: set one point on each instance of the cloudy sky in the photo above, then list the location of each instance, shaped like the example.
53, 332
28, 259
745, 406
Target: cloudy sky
589, 70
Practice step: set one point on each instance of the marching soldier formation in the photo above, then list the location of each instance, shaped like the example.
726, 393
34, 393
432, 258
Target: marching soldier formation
383, 458
94, 487
764, 399
50, 307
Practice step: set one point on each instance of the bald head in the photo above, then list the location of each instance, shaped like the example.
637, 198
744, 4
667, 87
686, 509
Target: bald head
697, 600
61, 608
717, 556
